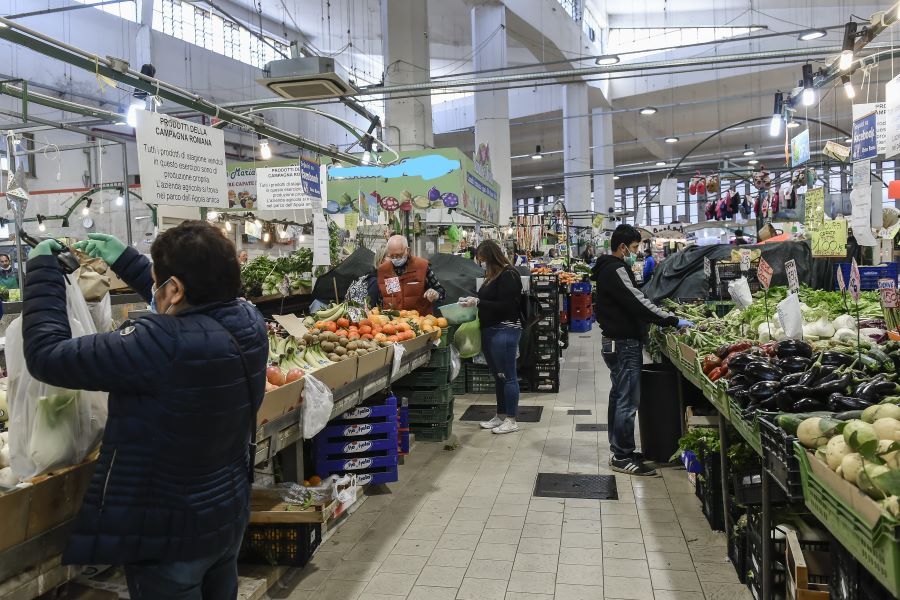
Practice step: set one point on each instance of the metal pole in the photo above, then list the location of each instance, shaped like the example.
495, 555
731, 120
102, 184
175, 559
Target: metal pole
18, 216
766, 536
126, 195
723, 460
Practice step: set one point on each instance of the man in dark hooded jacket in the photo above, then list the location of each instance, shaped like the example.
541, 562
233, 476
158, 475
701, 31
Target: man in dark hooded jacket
170, 495
624, 313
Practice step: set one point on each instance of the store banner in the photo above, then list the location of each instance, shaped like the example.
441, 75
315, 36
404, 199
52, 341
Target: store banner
892, 117
865, 143
880, 109
814, 209
800, 148
668, 192
310, 175
830, 239
282, 188
182, 163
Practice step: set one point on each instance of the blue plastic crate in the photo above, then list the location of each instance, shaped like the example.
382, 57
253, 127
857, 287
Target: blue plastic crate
868, 275
378, 476
342, 447
357, 463
580, 325
359, 429
581, 288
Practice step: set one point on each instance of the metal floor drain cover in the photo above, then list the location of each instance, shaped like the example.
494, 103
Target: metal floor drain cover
564, 485
486, 412
578, 411
591, 426
585, 337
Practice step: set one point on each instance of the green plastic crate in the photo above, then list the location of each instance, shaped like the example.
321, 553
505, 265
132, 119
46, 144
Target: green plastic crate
446, 336
749, 429
440, 357
438, 395
425, 378
459, 384
434, 432
479, 380
715, 393
876, 546
427, 414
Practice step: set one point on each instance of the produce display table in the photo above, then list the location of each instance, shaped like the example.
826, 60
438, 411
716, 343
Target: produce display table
856, 522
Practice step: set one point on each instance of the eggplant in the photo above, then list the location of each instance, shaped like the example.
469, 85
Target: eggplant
838, 384
791, 379
794, 364
874, 391
740, 380
832, 357
838, 402
807, 405
783, 400
742, 398
763, 371
813, 373
798, 391
763, 390
769, 404
799, 348
737, 362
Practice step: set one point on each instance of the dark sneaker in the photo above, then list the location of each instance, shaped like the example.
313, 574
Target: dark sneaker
631, 466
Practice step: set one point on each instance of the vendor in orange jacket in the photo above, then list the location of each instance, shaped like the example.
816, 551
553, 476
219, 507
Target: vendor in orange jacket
407, 282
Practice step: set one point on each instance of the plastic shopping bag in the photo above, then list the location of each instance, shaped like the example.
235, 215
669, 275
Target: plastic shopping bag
318, 402
50, 427
789, 316
739, 290
468, 339
101, 314
455, 363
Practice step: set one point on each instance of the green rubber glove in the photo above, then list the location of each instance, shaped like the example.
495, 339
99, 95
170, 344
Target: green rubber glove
101, 245
45, 248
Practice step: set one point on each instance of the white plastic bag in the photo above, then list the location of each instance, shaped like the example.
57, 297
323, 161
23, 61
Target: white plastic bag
318, 402
50, 427
455, 363
790, 317
101, 314
739, 290
399, 351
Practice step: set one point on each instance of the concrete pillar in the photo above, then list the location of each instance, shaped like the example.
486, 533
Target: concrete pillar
143, 49
404, 27
492, 107
604, 186
576, 147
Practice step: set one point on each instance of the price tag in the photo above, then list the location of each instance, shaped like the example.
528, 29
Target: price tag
707, 267
854, 283
284, 286
790, 267
830, 239
764, 273
842, 285
745, 259
888, 290
392, 285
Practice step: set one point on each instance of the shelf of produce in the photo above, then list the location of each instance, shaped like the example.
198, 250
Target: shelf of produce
855, 520
280, 432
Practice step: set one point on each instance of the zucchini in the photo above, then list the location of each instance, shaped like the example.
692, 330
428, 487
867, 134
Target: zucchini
789, 423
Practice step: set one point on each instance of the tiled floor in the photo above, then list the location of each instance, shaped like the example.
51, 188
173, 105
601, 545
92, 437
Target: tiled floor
462, 524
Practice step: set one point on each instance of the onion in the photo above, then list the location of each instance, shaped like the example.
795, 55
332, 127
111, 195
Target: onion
275, 376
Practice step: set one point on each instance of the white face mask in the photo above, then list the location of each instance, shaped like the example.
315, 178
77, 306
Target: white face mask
398, 262
482, 264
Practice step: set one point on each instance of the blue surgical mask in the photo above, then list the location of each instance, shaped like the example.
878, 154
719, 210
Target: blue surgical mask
398, 262
153, 290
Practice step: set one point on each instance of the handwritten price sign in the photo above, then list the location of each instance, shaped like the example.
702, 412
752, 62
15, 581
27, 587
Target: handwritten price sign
764, 273
854, 283
830, 239
888, 290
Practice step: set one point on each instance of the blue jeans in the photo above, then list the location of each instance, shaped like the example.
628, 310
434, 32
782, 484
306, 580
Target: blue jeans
214, 577
500, 345
625, 396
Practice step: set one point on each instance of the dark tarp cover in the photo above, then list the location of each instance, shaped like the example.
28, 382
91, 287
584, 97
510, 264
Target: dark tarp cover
360, 263
681, 276
456, 274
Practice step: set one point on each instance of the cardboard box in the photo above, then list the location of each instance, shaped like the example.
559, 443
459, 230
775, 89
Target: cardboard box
52, 500
416, 343
339, 374
373, 361
280, 401
267, 506
692, 421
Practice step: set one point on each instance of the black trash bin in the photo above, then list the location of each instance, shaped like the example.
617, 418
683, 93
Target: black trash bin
659, 414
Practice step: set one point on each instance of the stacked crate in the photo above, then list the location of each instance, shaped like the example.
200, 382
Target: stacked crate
428, 394
581, 308
545, 376
362, 441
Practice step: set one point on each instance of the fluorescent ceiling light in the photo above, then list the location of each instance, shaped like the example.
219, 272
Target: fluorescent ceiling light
849, 90
846, 60
775, 126
661, 163
649, 110
752, 161
812, 34
748, 151
671, 139
809, 97
538, 187
615, 177
848, 141
609, 59
265, 152
793, 124
537, 153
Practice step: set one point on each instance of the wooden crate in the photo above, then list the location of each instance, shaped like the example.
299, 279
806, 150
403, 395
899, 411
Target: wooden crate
801, 567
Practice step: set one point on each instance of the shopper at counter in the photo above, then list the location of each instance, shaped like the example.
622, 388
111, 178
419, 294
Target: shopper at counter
169, 498
407, 282
623, 313
9, 275
498, 302
243, 258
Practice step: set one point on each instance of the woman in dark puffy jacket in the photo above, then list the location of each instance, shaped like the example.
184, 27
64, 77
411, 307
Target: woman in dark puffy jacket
169, 498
